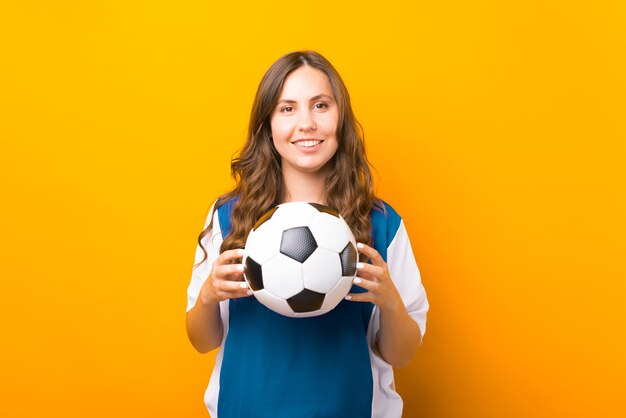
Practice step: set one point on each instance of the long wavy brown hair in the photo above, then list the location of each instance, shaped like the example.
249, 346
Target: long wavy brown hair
257, 168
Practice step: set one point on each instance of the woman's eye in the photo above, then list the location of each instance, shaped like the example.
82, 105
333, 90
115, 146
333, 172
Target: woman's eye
287, 109
321, 105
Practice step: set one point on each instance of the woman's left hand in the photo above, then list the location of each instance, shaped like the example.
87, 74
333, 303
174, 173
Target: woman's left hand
376, 280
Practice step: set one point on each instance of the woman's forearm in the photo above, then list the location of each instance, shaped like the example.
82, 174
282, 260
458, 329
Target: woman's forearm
399, 336
204, 326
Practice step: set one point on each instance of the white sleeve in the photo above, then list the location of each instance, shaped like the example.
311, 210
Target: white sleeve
211, 242
406, 276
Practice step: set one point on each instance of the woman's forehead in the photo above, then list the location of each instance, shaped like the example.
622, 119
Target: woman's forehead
306, 83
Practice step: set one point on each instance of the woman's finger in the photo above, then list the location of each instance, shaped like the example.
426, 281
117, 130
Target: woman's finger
229, 255
227, 289
360, 297
368, 285
371, 253
229, 271
369, 270
243, 293
231, 286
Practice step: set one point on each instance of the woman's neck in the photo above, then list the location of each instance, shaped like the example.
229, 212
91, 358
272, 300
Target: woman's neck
304, 187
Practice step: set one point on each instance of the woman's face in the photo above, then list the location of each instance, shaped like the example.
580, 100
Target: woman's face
304, 122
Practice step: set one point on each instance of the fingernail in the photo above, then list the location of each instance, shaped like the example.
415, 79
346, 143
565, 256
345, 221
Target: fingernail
356, 280
240, 267
360, 265
243, 285
348, 297
241, 252
249, 292
359, 245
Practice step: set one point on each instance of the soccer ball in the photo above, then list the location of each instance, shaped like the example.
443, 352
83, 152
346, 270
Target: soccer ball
300, 259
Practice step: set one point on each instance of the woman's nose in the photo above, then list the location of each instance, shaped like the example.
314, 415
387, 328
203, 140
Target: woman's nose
306, 121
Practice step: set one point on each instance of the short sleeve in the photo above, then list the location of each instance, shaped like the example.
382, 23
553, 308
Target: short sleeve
406, 276
211, 242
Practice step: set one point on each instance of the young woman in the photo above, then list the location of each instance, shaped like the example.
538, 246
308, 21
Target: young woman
304, 144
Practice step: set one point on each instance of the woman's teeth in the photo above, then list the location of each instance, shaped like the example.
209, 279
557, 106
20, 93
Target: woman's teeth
307, 144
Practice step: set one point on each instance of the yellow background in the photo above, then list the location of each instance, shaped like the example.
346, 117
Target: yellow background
497, 130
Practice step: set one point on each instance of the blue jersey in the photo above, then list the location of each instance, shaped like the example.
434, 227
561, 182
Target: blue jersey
271, 365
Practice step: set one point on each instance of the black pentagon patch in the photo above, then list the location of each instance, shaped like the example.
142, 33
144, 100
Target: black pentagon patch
348, 260
298, 243
254, 275
325, 209
264, 218
306, 301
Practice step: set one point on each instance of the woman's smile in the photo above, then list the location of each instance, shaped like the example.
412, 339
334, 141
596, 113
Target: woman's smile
308, 144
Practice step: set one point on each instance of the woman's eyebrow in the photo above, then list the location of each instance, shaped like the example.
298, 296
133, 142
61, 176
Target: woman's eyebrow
312, 99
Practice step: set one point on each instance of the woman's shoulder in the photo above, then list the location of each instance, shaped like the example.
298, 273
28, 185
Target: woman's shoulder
222, 207
383, 211
385, 221
226, 201
220, 212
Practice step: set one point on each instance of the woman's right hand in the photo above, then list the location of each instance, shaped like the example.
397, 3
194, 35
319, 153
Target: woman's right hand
226, 279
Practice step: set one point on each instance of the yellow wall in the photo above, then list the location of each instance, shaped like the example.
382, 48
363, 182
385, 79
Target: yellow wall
497, 129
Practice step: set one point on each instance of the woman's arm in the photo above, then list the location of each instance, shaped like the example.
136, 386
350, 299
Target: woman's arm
399, 336
204, 323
